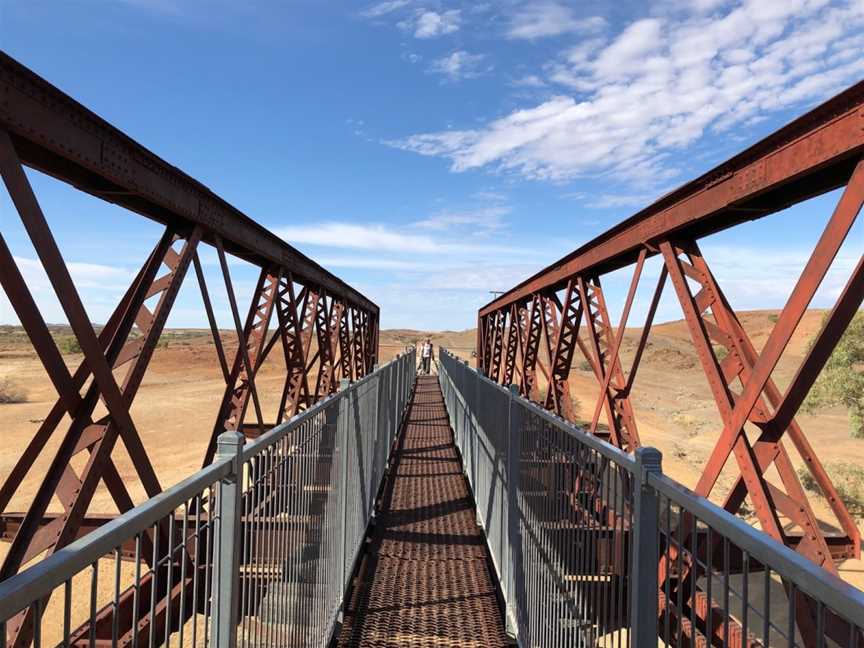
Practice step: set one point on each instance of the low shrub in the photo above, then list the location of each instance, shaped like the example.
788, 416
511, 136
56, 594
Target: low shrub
848, 479
69, 345
11, 393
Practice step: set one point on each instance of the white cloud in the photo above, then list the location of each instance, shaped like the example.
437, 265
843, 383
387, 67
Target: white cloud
482, 220
607, 201
529, 81
384, 8
628, 101
381, 238
460, 65
539, 19
489, 196
99, 286
404, 306
427, 273
361, 237
485, 277
431, 24
758, 277
84, 275
375, 263
696, 6
634, 47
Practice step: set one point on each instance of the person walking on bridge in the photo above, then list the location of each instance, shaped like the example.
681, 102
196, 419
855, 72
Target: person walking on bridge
426, 356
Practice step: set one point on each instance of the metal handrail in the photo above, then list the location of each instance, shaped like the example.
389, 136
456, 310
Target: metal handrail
609, 451
275, 433
41, 579
807, 576
230, 485
653, 539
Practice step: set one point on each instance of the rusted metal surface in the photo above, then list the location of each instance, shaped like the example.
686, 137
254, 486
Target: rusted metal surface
426, 580
44, 129
816, 153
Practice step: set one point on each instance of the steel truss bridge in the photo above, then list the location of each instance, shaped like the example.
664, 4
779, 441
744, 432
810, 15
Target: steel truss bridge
577, 521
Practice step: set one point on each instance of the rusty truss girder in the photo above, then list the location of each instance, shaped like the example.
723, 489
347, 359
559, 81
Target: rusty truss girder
564, 305
42, 128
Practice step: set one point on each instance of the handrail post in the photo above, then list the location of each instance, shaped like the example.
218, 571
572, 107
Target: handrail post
380, 391
475, 426
375, 424
226, 558
466, 410
644, 536
509, 566
342, 434
397, 394
403, 370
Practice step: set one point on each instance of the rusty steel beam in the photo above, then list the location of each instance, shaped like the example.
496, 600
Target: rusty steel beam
561, 353
511, 347
530, 346
821, 151
298, 319
42, 128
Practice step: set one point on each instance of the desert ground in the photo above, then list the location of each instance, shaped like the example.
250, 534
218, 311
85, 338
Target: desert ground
175, 408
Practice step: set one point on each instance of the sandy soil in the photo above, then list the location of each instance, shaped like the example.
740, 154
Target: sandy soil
174, 409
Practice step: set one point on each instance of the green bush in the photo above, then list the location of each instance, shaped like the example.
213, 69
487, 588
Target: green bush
842, 379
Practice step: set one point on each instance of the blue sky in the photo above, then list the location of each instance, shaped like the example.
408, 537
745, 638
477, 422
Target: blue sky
429, 152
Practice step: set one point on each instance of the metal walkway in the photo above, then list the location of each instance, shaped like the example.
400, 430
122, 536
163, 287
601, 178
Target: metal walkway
426, 580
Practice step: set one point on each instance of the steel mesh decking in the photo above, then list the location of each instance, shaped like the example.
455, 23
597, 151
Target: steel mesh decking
426, 580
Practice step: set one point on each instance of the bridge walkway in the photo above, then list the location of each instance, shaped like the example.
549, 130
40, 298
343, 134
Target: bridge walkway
425, 579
